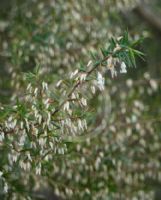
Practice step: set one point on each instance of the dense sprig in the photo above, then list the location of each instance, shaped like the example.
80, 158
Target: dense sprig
68, 125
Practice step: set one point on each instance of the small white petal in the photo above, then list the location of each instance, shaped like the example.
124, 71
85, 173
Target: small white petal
100, 81
58, 83
1, 173
89, 63
123, 68
93, 89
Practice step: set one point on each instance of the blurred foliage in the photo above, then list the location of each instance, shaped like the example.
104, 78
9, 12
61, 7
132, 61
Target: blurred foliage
119, 161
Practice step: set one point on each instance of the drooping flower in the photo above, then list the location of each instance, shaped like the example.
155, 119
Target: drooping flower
123, 68
83, 77
111, 66
73, 73
66, 106
1, 136
100, 81
1, 173
5, 187
93, 89
59, 83
89, 63
44, 85
83, 101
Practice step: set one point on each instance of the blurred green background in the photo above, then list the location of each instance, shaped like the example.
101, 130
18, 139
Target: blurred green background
58, 35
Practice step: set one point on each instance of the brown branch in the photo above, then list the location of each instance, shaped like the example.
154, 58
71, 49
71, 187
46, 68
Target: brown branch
78, 83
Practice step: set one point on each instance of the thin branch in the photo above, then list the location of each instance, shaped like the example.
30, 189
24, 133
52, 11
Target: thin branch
79, 83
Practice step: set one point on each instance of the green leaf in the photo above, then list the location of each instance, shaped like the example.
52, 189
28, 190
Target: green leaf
93, 55
138, 52
82, 68
104, 52
132, 57
125, 39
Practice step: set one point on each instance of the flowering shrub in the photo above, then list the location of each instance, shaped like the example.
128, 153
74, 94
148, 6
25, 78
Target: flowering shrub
36, 129
64, 123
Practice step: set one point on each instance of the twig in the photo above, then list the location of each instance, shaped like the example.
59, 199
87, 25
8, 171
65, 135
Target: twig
79, 83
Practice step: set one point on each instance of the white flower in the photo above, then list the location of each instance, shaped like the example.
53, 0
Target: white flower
100, 81
110, 63
129, 83
74, 73
113, 72
29, 156
48, 118
154, 84
83, 161
46, 103
93, 89
12, 124
111, 66
85, 124
21, 125
22, 140
123, 68
1, 173
119, 38
10, 119
22, 164
44, 86
66, 106
5, 188
51, 144
61, 151
117, 48
80, 125
42, 142
73, 96
43, 125
84, 101
83, 77
89, 63
1, 136
36, 91
97, 163
39, 119
38, 169
58, 83
29, 86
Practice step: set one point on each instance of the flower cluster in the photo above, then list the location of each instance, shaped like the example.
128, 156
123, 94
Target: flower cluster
37, 128
67, 125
